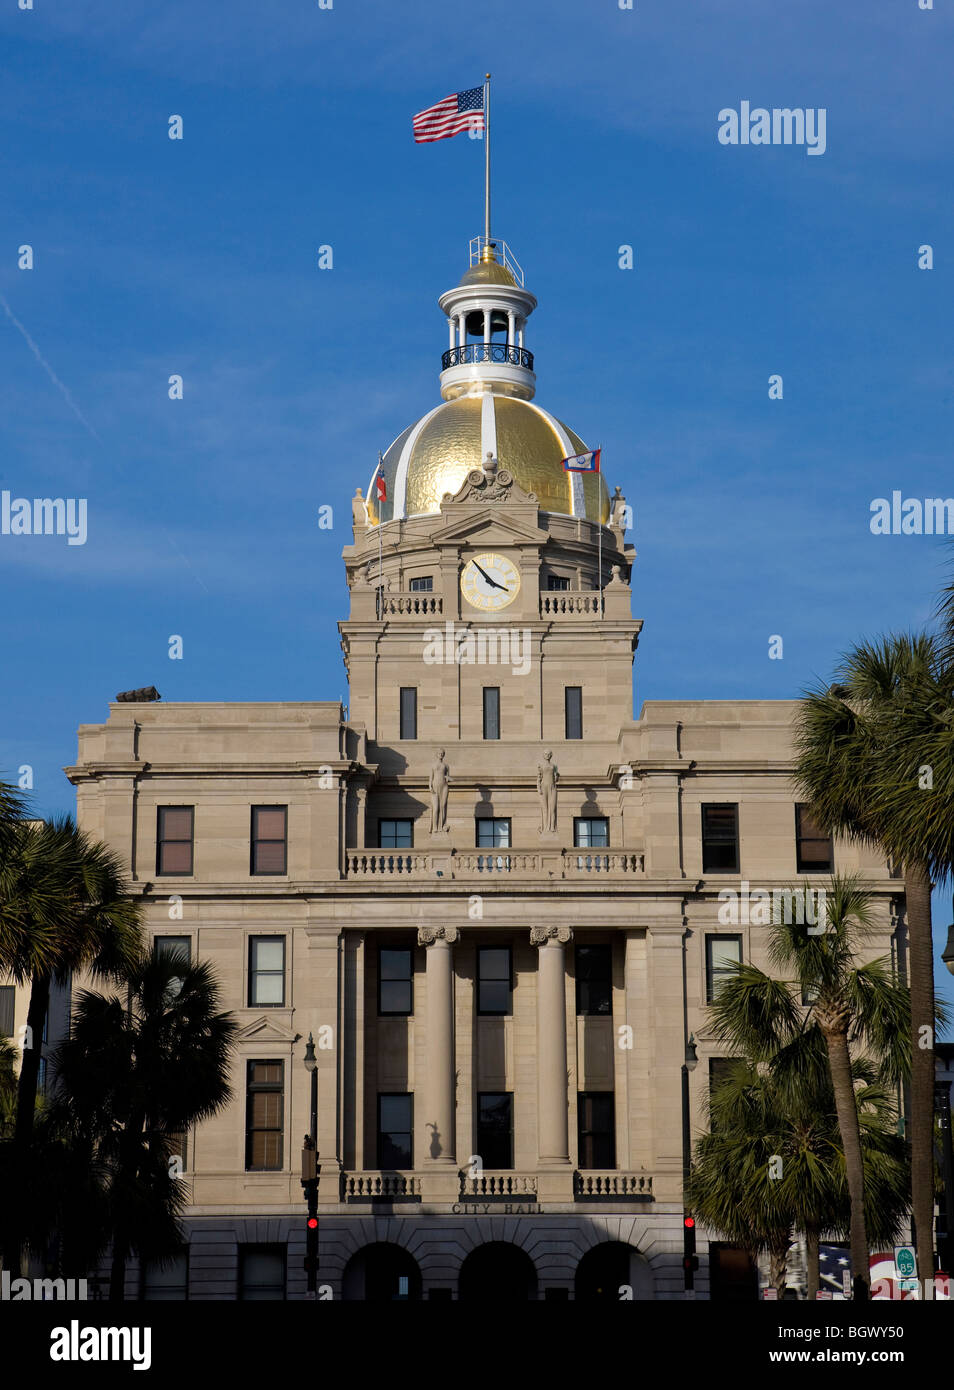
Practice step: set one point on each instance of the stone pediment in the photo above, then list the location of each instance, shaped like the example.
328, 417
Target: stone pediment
265, 1029
488, 485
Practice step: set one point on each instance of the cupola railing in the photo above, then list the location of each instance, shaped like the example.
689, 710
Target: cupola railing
469, 353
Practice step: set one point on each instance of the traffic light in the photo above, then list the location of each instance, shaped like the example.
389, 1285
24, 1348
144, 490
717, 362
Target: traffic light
690, 1260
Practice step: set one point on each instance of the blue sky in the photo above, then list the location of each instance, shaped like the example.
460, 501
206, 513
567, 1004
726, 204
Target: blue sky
199, 257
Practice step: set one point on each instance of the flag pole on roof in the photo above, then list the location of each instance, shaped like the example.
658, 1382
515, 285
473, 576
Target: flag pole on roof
487, 159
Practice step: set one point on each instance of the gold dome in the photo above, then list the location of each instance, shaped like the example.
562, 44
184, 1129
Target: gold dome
433, 457
488, 273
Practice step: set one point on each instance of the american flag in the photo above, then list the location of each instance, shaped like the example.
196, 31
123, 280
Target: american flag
450, 116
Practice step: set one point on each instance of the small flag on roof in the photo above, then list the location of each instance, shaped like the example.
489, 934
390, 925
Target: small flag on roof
583, 463
460, 111
380, 487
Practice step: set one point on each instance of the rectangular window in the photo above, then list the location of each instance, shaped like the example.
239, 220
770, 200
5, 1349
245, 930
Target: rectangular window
573, 702
494, 981
814, 851
166, 1281
408, 711
594, 980
491, 711
395, 834
172, 946
723, 954
596, 1121
557, 581
174, 835
8, 999
493, 832
396, 1131
423, 585
720, 839
266, 970
590, 832
264, 1116
261, 1273
269, 839
395, 980
495, 1129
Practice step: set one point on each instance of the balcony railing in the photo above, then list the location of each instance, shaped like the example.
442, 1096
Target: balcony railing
500, 1184
565, 603
543, 864
379, 1187
590, 1184
468, 354
410, 605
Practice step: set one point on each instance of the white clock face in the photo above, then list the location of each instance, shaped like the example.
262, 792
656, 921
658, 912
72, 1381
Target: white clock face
490, 582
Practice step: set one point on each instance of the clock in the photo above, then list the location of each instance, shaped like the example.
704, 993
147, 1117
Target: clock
490, 582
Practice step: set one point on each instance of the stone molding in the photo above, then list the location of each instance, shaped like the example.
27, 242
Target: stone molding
426, 936
541, 936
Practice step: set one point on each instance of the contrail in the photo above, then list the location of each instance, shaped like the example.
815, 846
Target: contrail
64, 392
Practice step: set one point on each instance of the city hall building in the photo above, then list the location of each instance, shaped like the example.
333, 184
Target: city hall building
486, 894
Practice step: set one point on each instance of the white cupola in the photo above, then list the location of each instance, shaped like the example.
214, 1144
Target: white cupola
486, 317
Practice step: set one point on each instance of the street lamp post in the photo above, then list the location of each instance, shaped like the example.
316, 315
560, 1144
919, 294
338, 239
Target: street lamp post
310, 1169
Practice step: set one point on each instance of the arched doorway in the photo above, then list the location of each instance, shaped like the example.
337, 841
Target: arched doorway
381, 1273
614, 1272
497, 1272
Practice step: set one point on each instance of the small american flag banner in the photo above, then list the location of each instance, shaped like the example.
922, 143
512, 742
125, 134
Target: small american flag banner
460, 111
583, 463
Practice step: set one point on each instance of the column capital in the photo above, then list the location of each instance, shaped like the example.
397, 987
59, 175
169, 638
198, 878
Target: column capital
426, 936
542, 936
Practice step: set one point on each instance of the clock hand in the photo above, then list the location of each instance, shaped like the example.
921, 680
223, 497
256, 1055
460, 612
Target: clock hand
490, 581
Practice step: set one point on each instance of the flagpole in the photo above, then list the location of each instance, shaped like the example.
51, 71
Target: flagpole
599, 519
487, 159
380, 550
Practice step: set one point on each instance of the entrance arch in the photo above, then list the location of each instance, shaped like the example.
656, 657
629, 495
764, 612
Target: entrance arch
607, 1268
381, 1273
497, 1272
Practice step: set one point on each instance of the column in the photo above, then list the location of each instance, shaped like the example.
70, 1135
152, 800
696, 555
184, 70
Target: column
440, 1092
462, 328
451, 330
520, 333
553, 1140
511, 328
486, 327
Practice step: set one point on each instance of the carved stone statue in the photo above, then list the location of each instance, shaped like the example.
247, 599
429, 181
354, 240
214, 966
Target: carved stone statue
440, 777
547, 778
359, 512
618, 510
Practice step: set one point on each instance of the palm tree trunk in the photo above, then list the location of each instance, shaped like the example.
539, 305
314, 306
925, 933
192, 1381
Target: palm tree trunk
30, 1059
917, 888
811, 1260
778, 1266
30, 1065
846, 1109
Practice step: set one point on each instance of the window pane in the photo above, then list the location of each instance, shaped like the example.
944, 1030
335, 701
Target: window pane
268, 954
395, 997
574, 711
424, 585
270, 822
395, 964
395, 834
175, 822
557, 581
720, 841
494, 963
494, 997
175, 858
723, 953
408, 712
491, 711
268, 989
395, 1112
170, 946
597, 1129
594, 979
592, 833
495, 1130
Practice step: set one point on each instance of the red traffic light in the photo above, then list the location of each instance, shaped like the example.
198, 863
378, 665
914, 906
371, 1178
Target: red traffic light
312, 1223
689, 1222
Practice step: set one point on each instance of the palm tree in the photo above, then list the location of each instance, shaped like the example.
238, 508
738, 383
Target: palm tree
64, 907
852, 1005
136, 1072
772, 1163
874, 762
